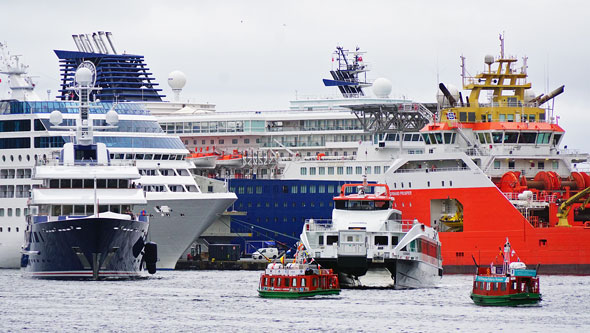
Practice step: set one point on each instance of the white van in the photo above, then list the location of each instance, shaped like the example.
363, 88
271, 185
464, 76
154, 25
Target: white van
266, 252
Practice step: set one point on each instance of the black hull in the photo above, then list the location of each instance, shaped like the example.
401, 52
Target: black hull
86, 248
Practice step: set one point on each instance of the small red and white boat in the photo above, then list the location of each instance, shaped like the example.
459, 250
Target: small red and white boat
297, 279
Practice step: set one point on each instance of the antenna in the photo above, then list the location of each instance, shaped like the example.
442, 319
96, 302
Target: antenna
502, 45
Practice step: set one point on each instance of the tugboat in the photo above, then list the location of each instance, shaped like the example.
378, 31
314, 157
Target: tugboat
81, 223
300, 278
508, 285
369, 244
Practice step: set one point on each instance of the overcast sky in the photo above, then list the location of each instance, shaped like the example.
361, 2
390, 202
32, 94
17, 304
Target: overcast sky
246, 55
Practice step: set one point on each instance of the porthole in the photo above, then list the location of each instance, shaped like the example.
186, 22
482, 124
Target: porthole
28, 158
20, 158
11, 158
3, 158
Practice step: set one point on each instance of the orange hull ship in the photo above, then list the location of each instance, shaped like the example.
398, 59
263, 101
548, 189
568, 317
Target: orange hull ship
494, 169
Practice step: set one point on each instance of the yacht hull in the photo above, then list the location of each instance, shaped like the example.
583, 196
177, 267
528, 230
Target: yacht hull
85, 248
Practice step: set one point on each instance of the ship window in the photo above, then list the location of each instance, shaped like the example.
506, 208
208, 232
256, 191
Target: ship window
330, 170
359, 170
303, 282
312, 171
17, 212
294, 189
511, 137
322, 170
303, 171
89, 183
555, 165
79, 209
340, 170
426, 138
321, 240
322, 189
462, 116
510, 118
381, 240
556, 139
448, 137
294, 280
471, 117
503, 286
510, 164
497, 137
541, 165
442, 183
67, 209
331, 240
526, 137
377, 169
349, 170
481, 138
303, 189
314, 282
65, 183
54, 183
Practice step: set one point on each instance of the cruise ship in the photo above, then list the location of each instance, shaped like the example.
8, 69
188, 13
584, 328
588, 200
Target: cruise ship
179, 211
485, 161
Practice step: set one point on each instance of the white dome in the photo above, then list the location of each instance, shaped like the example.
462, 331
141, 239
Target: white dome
55, 117
529, 95
176, 80
112, 117
440, 97
382, 87
83, 76
488, 59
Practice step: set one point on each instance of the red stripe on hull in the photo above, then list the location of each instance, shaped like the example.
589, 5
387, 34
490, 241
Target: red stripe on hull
488, 219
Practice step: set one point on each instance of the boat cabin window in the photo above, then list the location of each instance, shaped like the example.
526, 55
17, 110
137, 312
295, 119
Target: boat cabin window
381, 240
394, 240
497, 137
331, 240
85, 153
303, 282
287, 282
294, 282
362, 204
556, 139
314, 282
321, 240
527, 137
511, 137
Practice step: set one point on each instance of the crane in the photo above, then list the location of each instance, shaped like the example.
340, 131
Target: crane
566, 206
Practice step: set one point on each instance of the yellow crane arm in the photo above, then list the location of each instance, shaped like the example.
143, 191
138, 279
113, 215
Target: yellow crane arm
565, 207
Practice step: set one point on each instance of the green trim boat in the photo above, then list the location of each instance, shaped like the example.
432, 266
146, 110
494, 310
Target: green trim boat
508, 285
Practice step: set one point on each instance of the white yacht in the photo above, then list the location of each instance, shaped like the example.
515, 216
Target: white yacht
179, 211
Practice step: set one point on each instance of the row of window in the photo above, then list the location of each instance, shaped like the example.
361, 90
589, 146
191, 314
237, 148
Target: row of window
340, 170
17, 212
539, 164
164, 172
8, 229
81, 210
15, 173
14, 191
518, 137
21, 107
293, 189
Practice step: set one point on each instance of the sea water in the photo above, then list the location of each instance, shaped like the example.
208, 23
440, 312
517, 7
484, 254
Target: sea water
227, 301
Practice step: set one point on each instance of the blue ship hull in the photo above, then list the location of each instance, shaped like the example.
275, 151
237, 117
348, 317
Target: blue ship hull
277, 209
84, 248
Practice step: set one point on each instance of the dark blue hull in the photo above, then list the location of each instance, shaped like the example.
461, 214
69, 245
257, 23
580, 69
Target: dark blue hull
85, 248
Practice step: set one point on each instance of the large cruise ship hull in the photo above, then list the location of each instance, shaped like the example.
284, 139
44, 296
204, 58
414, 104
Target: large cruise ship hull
86, 248
175, 224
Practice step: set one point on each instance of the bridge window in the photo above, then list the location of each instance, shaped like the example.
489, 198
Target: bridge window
331, 240
448, 138
511, 137
556, 139
497, 137
381, 240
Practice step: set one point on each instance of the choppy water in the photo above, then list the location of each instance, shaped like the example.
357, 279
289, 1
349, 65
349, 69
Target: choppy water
227, 301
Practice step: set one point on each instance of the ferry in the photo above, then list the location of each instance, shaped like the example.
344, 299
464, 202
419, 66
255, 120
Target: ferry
486, 161
82, 223
297, 279
508, 285
179, 211
367, 236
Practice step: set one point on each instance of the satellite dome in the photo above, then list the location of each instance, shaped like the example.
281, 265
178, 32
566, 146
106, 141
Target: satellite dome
441, 99
83, 76
529, 95
176, 80
488, 59
112, 117
382, 87
55, 117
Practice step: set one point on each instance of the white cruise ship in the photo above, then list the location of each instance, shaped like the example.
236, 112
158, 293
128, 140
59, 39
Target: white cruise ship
179, 211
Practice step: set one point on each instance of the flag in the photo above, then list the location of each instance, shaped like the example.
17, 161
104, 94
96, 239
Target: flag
283, 260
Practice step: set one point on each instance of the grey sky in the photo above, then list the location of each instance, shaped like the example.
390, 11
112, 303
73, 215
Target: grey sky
245, 55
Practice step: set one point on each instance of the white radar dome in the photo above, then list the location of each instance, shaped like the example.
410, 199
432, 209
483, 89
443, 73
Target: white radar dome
176, 80
488, 59
112, 117
83, 76
382, 87
440, 97
529, 95
55, 117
